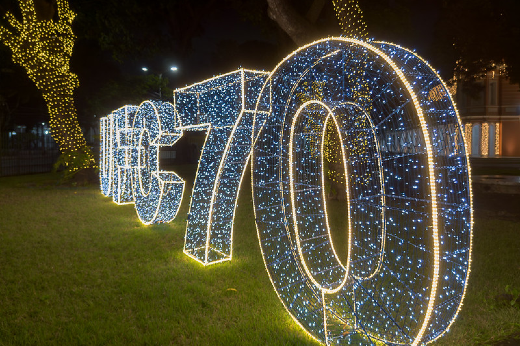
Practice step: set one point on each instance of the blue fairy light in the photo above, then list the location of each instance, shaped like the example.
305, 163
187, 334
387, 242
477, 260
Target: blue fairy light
407, 183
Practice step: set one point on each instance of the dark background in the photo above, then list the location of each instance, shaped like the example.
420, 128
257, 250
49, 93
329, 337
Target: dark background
203, 38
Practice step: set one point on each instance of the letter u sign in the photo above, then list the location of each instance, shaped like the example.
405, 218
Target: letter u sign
407, 182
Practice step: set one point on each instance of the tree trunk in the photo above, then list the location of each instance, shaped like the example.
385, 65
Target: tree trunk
43, 46
299, 29
64, 125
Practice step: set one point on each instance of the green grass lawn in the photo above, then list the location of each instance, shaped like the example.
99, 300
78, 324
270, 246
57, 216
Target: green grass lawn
75, 268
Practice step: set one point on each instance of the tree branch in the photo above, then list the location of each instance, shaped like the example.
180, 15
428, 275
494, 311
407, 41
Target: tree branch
64, 12
299, 29
8, 38
28, 10
11, 19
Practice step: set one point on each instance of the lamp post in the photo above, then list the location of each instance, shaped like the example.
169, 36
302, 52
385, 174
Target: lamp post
171, 69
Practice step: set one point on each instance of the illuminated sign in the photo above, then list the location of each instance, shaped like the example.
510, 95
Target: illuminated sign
407, 182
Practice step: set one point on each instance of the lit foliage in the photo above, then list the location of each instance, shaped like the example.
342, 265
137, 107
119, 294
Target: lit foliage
484, 143
43, 46
485, 137
468, 130
407, 182
350, 19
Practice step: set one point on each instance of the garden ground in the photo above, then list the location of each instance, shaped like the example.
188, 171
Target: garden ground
76, 268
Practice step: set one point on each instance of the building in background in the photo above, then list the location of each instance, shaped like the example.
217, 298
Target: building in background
492, 118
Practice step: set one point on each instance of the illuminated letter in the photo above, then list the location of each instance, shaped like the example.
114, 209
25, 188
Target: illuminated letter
105, 154
122, 190
158, 194
114, 160
407, 187
407, 183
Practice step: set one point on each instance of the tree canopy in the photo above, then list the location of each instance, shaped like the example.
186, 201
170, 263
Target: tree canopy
469, 36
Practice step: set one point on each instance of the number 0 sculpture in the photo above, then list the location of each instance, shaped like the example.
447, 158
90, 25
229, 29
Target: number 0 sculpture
409, 202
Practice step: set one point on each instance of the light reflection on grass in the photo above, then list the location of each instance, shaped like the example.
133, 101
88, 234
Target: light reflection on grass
76, 268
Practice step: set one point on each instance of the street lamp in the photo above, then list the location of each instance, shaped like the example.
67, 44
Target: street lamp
172, 69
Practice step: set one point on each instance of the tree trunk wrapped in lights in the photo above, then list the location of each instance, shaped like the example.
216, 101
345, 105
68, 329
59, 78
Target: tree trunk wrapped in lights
350, 17
43, 46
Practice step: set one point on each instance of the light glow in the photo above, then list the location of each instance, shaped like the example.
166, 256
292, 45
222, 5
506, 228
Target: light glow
409, 142
468, 131
484, 143
43, 47
497, 139
407, 182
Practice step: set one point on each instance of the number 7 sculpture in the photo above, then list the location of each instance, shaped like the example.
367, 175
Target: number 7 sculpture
409, 201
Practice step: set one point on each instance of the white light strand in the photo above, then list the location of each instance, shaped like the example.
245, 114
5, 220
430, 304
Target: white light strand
417, 164
409, 200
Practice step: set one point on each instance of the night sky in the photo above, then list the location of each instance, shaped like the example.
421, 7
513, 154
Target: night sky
226, 40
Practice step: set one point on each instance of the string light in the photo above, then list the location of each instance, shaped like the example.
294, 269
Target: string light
350, 17
123, 169
224, 107
106, 154
407, 182
468, 129
497, 139
451, 141
484, 143
44, 48
409, 232
115, 174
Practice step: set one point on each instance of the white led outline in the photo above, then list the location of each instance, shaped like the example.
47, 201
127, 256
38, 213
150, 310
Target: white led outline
293, 205
381, 184
103, 133
332, 116
469, 185
207, 127
108, 157
217, 183
127, 166
255, 137
107, 162
140, 153
111, 151
431, 176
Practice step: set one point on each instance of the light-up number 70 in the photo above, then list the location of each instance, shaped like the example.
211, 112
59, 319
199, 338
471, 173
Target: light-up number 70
407, 184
